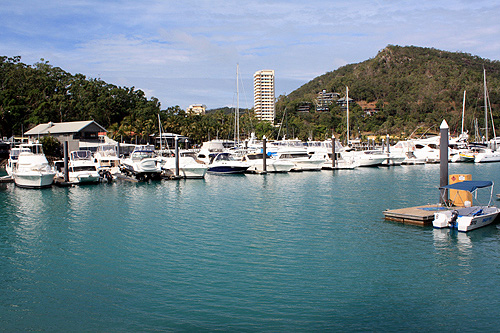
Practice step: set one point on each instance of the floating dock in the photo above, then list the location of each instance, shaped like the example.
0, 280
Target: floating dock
420, 215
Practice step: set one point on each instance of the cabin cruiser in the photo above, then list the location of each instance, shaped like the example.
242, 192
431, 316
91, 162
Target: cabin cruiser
141, 163
487, 155
467, 217
33, 169
107, 158
406, 150
189, 166
366, 158
323, 150
427, 149
82, 168
256, 162
300, 158
225, 163
211, 148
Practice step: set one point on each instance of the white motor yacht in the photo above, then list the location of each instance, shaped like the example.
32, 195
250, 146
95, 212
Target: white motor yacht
256, 162
225, 163
189, 166
142, 163
107, 158
33, 169
82, 169
487, 155
323, 150
366, 158
300, 158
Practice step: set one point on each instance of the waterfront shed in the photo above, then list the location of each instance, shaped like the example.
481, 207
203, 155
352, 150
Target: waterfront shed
77, 133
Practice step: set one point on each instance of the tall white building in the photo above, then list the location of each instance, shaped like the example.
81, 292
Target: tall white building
263, 91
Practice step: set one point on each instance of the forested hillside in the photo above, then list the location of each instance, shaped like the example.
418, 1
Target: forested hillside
404, 88
410, 87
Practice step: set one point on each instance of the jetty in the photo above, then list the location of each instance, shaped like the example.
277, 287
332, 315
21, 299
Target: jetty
419, 215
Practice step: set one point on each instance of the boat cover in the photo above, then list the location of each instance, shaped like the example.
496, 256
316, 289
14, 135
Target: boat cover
468, 185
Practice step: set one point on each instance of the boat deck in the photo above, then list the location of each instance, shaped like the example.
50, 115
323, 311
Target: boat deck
419, 215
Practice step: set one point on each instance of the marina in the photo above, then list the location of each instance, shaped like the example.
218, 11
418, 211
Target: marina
274, 252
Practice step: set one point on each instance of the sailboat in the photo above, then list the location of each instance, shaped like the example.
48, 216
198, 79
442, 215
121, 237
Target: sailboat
487, 154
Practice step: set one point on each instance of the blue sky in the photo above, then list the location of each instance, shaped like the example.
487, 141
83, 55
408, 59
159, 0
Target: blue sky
186, 52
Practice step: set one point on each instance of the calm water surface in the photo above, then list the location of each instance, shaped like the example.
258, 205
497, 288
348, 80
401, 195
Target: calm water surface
280, 252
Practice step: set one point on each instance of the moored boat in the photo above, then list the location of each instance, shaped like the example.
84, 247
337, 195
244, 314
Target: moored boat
141, 163
189, 166
33, 169
301, 159
256, 162
82, 169
468, 217
224, 163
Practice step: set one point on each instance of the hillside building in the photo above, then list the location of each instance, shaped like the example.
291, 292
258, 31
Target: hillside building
264, 95
197, 109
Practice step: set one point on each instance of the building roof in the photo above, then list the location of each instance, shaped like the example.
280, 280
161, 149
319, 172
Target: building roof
66, 127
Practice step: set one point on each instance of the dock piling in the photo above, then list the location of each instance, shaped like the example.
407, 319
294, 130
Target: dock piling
443, 161
264, 154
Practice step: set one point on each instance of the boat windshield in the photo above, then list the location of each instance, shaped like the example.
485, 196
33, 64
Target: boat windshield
107, 150
141, 154
84, 168
81, 155
35, 148
255, 156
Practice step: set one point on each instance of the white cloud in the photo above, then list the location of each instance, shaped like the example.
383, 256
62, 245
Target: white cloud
186, 51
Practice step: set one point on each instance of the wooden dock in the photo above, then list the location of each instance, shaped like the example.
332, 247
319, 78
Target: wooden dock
420, 215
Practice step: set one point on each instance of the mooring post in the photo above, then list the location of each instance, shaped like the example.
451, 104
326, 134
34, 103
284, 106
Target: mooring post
176, 156
443, 161
66, 162
264, 154
388, 144
334, 155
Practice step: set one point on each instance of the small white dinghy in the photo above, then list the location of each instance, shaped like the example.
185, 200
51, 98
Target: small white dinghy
469, 217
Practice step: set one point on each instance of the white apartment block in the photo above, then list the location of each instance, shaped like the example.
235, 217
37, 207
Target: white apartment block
263, 90
197, 109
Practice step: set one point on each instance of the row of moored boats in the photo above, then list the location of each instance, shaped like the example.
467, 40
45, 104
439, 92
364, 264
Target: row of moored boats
28, 166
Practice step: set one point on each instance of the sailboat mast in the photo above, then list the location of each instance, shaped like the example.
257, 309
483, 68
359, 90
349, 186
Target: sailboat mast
485, 106
237, 110
161, 137
463, 112
347, 100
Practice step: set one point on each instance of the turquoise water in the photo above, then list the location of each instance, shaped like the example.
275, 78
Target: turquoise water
279, 252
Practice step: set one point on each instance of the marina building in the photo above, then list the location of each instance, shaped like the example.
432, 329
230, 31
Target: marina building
264, 95
79, 134
197, 109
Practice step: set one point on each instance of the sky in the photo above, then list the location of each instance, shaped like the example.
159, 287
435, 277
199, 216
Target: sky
187, 52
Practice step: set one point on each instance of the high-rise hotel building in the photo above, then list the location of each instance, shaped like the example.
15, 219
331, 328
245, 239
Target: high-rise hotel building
263, 91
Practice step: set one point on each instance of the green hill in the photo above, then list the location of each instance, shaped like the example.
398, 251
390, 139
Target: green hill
404, 87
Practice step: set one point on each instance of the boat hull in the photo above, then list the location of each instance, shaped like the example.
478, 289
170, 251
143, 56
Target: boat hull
227, 169
34, 180
190, 172
466, 219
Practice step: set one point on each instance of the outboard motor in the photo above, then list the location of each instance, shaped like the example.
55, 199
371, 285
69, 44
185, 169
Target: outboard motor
453, 220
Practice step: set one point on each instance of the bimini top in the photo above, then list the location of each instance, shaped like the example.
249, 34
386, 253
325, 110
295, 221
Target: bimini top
468, 185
